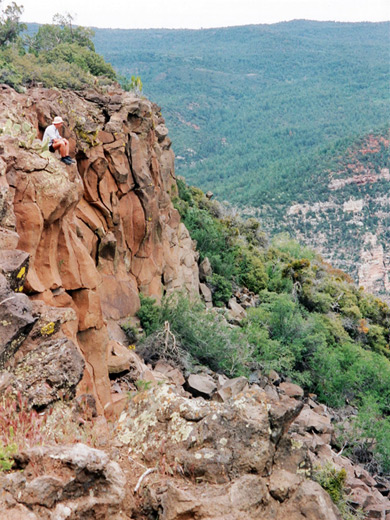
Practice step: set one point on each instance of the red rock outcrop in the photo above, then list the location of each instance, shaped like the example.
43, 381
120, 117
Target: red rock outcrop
98, 232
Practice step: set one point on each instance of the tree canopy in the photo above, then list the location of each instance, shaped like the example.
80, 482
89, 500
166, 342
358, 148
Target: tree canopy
265, 116
10, 26
60, 54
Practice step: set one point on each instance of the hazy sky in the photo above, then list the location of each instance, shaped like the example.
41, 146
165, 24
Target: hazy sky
129, 14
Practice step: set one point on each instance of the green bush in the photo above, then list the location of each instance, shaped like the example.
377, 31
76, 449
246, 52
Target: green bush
83, 57
252, 231
285, 244
277, 282
221, 290
333, 481
149, 314
251, 270
184, 191
366, 437
376, 339
9, 74
212, 240
201, 333
59, 55
315, 300
6, 453
291, 339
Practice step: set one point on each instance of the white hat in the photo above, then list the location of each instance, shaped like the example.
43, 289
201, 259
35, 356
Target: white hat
57, 120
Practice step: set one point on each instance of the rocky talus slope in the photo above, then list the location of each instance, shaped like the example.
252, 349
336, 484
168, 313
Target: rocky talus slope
205, 448
77, 245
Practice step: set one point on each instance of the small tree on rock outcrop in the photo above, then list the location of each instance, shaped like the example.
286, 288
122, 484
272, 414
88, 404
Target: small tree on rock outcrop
10, 26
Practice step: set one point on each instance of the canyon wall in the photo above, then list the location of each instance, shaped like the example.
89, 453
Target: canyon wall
92, 235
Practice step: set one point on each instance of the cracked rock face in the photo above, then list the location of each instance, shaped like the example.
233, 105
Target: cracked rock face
97, 232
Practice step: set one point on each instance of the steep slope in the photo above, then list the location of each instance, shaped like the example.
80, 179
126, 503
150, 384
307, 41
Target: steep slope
77, 245
346, 213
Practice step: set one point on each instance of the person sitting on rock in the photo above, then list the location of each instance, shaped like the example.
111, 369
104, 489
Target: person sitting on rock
56, 142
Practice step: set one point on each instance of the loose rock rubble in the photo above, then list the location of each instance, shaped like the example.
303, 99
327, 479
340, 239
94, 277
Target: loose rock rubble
63, 482
228, 449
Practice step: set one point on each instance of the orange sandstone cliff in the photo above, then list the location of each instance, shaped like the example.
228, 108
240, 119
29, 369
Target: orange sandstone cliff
83, 241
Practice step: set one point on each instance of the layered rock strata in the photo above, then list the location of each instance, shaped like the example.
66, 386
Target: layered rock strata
97, 233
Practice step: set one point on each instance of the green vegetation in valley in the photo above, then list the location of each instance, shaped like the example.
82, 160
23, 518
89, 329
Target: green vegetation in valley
311, 324
252, 109
347, 210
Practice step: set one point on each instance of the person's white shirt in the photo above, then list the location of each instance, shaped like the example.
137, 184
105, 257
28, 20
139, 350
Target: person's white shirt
50, 134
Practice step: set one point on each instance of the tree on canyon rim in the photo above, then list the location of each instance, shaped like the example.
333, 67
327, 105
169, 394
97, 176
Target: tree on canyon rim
10, 26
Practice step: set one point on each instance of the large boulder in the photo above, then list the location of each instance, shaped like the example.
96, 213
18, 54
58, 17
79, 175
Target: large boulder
231, 388
63, 483
235, 470
194, 433
201, 385
16, 320
49, 372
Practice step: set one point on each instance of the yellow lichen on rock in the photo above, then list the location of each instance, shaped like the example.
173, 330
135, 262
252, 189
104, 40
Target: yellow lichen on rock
48, 329
21, 273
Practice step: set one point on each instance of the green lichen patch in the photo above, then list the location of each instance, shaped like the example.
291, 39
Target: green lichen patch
152, 418
87, 133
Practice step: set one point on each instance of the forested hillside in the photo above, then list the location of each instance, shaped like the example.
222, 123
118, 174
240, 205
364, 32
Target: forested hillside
251, 108
346, 214
267, 117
